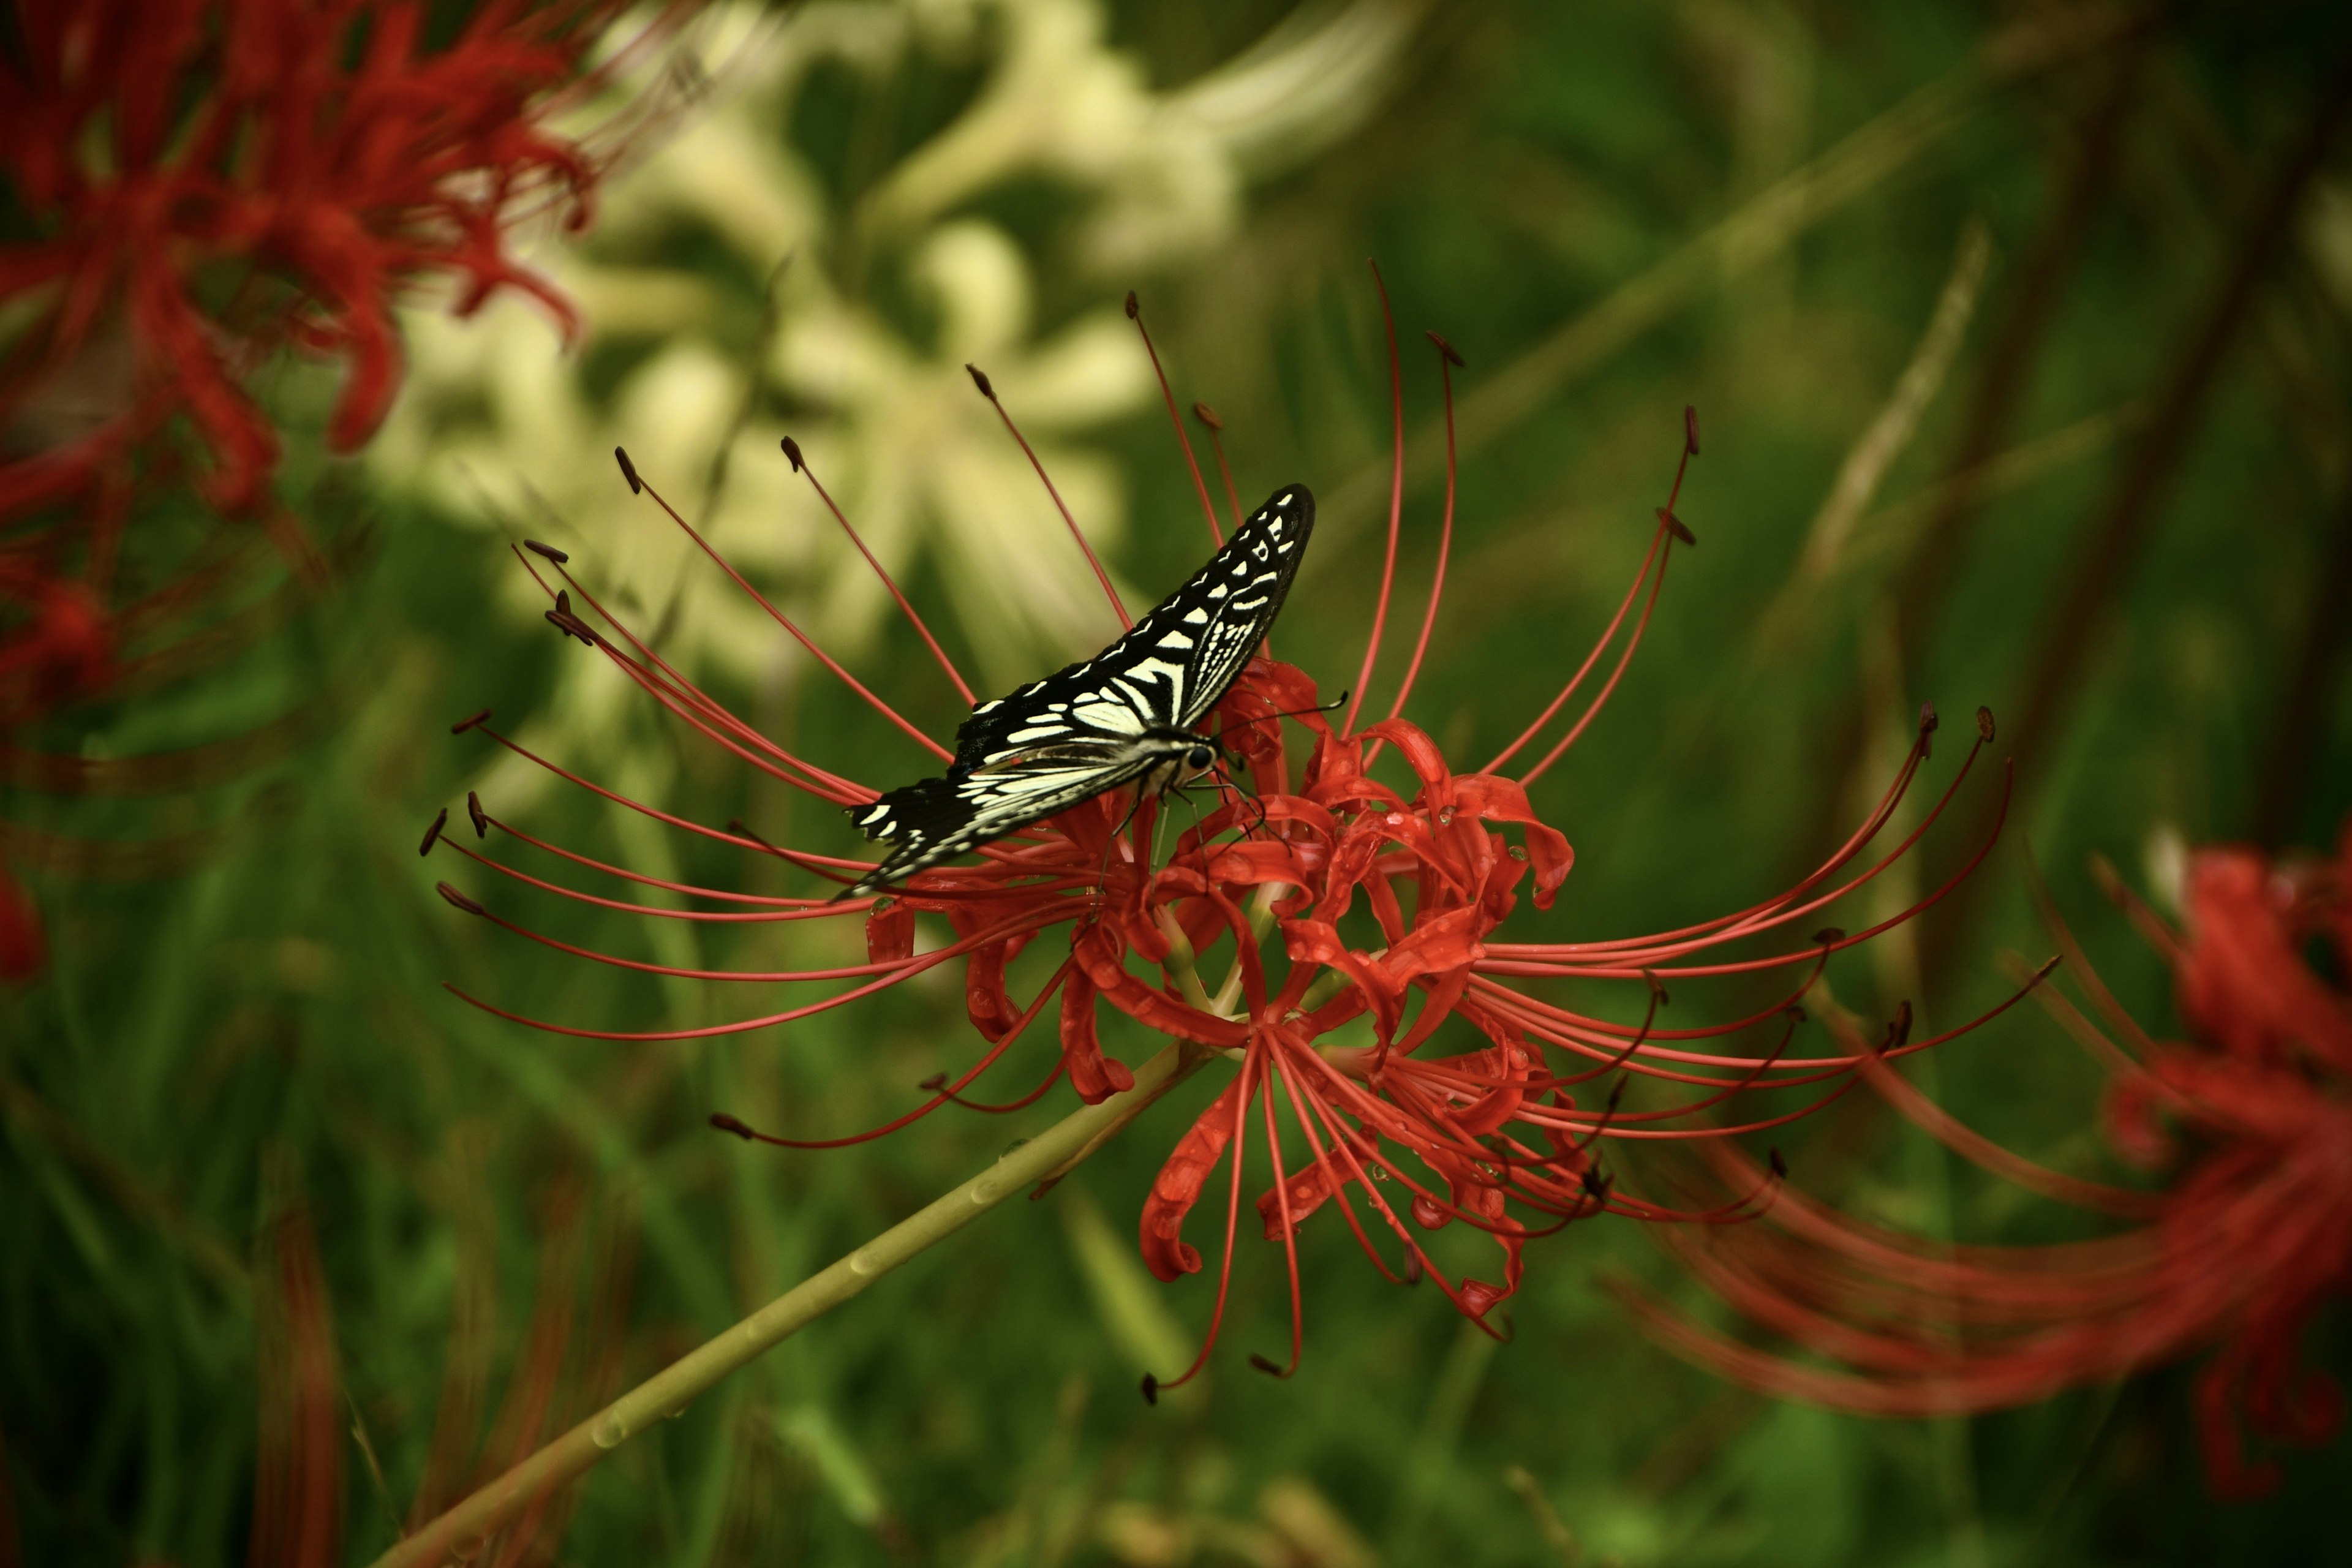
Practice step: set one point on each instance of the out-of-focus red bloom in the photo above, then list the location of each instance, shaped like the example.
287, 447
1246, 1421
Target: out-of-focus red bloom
2249, 1236
54, 643
214, 177
561, 1370
1368, 879
192, 186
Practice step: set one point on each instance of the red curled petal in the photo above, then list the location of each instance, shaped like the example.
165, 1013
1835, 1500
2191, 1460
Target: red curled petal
1178, 1187
1316, 942
1502, 800
23, 950
1311, 1188
991, 1012
1100, 957
1420, 754
891, 934
1438, 945
1095, 1076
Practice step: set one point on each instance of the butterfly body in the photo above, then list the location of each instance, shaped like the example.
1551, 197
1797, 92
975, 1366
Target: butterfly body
1126, 716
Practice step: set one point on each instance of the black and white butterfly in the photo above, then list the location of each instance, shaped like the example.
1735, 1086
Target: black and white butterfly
1125, 716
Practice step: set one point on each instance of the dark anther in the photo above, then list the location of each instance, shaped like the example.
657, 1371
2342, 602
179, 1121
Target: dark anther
1899, 1029
1927, 723
1446, 349
1984, 725
481, 818
1780, 1166
934, 1084
563, 620
1796, 1011
1134, 310
1266, 1365
458, 900
726, 1123
1597, 1185
736, 826
979, 380
552, 553
1207, 415
2048, 965
1674, 526
432, 834
1150, 1389
793, 453
1617, 1093
1657, 988
629, 471
1690, 430
1830, 936
462, 725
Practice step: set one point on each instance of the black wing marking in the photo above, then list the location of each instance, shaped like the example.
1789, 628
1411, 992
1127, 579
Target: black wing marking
1173, 665
1083, 728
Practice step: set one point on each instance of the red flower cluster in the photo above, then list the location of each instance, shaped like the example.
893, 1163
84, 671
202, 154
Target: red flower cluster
211, 177
1386, 893
2250, 1235
192, 185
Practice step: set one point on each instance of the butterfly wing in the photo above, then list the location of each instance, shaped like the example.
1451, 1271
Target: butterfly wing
1080, 731
937, 819
1173, 666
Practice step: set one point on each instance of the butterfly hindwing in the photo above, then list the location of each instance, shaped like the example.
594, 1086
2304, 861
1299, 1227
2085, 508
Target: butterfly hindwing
1089, 727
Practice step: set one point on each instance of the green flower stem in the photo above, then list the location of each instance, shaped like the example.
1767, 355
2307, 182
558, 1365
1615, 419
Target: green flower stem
461, 1532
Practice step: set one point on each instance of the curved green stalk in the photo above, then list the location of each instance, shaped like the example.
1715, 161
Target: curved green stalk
460, 1531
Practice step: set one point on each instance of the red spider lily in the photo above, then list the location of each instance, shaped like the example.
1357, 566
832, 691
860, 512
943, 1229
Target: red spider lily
2250, 1235
1386, 894
211, 177
193, 184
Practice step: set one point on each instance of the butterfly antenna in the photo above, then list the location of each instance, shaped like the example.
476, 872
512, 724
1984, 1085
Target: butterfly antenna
1208, 509
988, 390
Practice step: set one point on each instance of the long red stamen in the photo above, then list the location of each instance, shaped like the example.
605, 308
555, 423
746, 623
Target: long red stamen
792, 451
1168, 393
1289, 1229
740, 1026
1216, 426
1396, 507
662, 681
1669, 528
1447, 360
823, 657
987, 390
944, 1095
1252, 1072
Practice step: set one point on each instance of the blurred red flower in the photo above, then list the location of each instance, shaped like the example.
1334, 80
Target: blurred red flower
1386, 894
213, 178
2251, 1234
192, 186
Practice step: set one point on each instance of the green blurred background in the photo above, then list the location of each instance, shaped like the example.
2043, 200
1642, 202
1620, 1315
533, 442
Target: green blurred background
2091, 258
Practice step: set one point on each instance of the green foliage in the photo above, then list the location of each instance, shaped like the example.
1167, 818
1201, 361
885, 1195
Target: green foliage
1580, 198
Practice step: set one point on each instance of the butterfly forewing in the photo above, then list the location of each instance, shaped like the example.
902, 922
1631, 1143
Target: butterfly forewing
1102, 721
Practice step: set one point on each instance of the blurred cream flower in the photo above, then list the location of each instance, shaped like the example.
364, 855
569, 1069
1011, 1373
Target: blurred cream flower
501, 428
1168, 169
